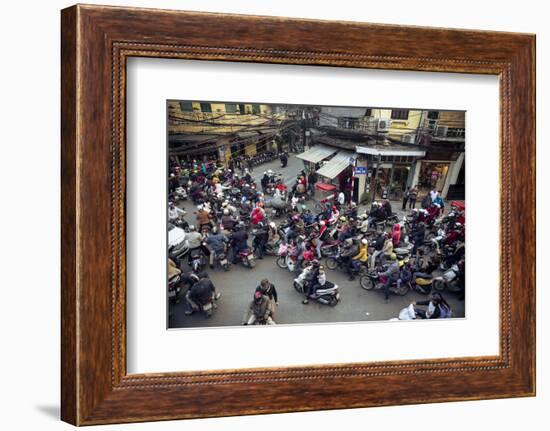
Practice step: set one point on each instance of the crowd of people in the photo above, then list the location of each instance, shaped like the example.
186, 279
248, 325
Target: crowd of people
235, 217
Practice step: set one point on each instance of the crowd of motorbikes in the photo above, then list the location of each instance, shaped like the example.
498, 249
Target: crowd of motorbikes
238, 222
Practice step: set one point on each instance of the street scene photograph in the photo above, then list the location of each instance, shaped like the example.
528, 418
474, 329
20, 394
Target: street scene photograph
283, 214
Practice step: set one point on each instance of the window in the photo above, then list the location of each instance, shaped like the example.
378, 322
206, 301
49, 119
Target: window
186, 106
242, 109
399, 114
433, 115
231, 108
206, 107
368, 112
455, 133
255, 109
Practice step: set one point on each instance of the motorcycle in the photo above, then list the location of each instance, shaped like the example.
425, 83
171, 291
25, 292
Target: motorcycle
196, 259
285, 259
449, 280
328, 294
247, 258
180, 194
174, 289
223, 261
374, 281
207, 308
336, 261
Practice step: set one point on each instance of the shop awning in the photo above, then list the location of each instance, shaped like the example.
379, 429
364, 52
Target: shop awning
317, 153
337, 164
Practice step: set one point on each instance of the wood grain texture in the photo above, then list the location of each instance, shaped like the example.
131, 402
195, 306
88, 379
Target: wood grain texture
96, 41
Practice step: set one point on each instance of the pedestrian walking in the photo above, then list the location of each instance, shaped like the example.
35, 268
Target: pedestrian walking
413, 193
405, 198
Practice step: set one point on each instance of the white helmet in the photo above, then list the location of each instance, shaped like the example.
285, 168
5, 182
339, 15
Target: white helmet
322, 222
364, 241
225, 212
272, 225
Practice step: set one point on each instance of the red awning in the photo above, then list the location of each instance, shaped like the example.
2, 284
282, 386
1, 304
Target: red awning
325, 187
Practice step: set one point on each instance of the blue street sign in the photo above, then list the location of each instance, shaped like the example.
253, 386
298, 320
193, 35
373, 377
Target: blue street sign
360, 170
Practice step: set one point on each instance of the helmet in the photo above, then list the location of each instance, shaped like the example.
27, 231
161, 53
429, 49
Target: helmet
224, 204
343, 219
265, 173
272, 225
393, 256
301, 238
348, 242
260, 224
295, 217
199, 207
257, 296
334, 208
194, 278
315, 262
364, 241
191, 228
353, 204
322, 223
226, 212
170, 204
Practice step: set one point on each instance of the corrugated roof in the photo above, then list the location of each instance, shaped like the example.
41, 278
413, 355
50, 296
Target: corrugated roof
317, 153
337, 164
247, 134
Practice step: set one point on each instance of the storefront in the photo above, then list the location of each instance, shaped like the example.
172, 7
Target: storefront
391, 170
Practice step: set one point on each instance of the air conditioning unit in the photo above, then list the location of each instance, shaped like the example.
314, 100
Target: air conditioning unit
408, 138
383, 125
441, 131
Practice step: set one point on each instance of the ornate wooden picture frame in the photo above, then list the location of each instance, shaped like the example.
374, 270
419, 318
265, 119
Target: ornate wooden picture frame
96, 42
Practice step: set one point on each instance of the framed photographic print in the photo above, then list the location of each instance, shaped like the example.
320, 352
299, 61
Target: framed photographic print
288, 207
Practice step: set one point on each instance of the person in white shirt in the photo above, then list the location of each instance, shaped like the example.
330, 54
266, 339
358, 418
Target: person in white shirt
174, 212
341, 198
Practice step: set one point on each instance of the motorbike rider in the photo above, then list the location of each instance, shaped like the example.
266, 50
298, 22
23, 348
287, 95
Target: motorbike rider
201, 293
418, 236
349, 249
194, 242
238, 241
268, 289
299, 249
264, 182
363, 225
203, 218
310, 275
392, 275
261, 236
323, 236
273, 234
259, 310
376, 214
359, 258
174, 212
396, 235
216, 242
378, 248
228, 221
